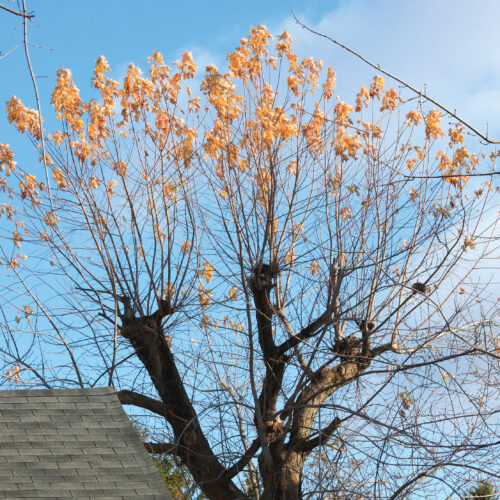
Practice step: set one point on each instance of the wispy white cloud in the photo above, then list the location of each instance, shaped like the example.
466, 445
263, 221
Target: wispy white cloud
449, 47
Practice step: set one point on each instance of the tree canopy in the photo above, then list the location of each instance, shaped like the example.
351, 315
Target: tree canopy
291, 290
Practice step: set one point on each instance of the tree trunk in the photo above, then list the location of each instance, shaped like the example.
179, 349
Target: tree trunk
151, 347
283, 480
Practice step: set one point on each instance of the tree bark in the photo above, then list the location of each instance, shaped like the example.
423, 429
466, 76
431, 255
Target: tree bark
284, 480
152, 348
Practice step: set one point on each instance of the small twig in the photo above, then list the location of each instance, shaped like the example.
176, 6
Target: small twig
34, 45
2, 55
22, 14
407, 85
93, 290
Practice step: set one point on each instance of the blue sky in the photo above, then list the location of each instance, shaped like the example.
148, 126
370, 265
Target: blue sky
450, 47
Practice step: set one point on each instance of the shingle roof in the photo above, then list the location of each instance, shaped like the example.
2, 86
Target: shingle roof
72, 443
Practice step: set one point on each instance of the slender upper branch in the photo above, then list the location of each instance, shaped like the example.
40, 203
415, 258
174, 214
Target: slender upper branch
402, 82
12, 11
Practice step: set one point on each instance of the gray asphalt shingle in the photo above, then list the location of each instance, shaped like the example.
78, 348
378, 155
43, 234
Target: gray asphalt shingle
72, 443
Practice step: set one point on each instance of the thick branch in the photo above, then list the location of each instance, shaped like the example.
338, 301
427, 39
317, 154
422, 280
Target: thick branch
306, 332
243, 461
325, 382
366, 328
172, 449
146, 336
275, 363
136, 399
323, 437
264, 314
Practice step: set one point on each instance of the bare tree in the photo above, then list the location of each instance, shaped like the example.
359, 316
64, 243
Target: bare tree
291, 290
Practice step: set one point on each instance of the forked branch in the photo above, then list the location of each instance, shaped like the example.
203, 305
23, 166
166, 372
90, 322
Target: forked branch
15, 12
